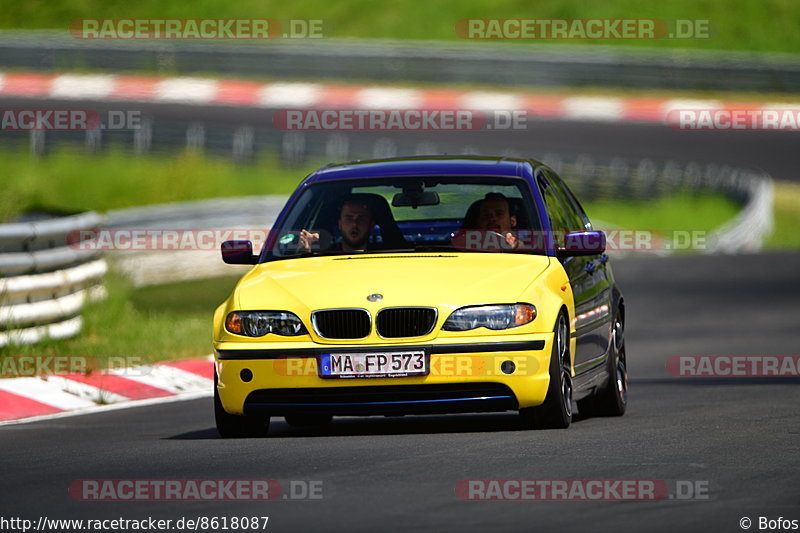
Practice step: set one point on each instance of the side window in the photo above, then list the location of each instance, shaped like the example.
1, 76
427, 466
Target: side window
555, 211
575, 214
576, 205
587, 224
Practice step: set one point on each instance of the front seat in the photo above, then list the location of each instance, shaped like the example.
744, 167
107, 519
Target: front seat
391, 235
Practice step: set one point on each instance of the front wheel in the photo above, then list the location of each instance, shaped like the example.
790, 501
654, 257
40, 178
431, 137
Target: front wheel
611, 400
236, 426
556, 411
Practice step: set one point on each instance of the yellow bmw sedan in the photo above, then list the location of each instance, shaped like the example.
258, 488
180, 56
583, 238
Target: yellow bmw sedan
416, 286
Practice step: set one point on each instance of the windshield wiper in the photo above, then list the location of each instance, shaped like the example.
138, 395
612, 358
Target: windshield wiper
324, 253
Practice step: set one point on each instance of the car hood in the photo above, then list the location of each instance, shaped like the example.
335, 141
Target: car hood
436, 280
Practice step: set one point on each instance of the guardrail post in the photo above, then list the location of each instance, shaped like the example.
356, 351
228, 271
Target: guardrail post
37, 142
94, 140
647, 178
293, 146
242, 144
384, 147
143, 136
195, 136
337, 147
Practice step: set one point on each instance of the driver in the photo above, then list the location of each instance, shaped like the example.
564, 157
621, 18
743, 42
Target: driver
355, 225
495, 215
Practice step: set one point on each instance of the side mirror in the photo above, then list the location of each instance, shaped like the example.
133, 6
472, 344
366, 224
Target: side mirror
238, 253
584, 243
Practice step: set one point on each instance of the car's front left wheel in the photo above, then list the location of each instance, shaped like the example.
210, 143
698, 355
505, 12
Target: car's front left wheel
237, 426
612, 399
556, 411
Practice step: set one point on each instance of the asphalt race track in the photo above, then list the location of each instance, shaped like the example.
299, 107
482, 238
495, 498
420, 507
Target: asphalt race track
737, 437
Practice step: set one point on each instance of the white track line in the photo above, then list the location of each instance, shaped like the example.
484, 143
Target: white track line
672, 105
86, 391
388, 98
167, 378
491, 101
47, 392
77, 87
288, 95
112, 407
186, 90
593, 108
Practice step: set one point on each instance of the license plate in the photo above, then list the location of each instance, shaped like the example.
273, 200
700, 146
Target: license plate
373, 365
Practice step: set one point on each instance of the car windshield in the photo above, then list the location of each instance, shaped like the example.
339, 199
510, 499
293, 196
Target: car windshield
409, 214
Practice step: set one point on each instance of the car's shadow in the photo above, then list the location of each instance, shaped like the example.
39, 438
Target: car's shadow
371, 426
465, 423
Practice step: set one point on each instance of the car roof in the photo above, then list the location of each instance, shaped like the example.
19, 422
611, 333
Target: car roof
426, 166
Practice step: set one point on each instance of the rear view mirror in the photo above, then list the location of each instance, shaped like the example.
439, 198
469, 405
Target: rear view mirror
238, 253
584, 243
415, 199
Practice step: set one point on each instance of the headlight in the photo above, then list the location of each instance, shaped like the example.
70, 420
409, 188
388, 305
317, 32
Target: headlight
490, 316
260, 323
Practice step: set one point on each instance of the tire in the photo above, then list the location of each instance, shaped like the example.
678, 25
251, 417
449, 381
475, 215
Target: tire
556, 410
612, 399
308, 420
237, 426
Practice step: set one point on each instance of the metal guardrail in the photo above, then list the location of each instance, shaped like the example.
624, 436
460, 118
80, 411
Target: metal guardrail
152, 267
745, 233
44, 282
510, 64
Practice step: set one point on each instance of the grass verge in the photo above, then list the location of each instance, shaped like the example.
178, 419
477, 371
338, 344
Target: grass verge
682, 211
72, 181
143, 325
66, 180
761, 25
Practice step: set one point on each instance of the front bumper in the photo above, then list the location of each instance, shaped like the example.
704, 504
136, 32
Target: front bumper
463, 377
